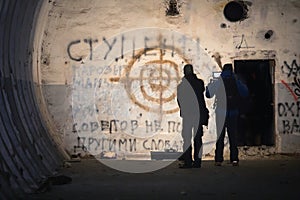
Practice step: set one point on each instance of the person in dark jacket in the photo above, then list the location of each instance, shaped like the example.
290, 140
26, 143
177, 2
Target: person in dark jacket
228, 90
194, 113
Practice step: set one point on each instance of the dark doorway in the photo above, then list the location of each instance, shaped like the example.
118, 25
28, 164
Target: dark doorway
256, 122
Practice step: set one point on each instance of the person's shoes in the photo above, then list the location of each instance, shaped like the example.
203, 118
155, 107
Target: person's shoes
235, 163
185, 166
218, 163
196, 165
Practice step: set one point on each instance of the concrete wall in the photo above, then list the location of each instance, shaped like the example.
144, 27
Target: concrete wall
101, 50
93, 76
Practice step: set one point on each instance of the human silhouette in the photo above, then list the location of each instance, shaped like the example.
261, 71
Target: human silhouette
227, 109
194, 113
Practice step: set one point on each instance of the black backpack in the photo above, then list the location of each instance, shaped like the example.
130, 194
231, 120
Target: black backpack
232, 93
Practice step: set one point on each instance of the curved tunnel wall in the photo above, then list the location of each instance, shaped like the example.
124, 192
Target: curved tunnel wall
27, 153
28, 149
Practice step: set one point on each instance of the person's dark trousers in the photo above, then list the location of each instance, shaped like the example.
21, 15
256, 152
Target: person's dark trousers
190, 124
230, 124
187, 128
198, 146
187, 157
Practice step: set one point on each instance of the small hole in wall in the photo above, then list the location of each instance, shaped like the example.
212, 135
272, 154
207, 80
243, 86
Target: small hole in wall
268, 34
223, 25
172, 8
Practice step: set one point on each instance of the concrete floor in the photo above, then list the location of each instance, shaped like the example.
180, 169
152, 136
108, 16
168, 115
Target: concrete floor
274, 177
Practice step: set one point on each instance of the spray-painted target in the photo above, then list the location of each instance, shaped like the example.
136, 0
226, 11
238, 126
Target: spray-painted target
132, 98
157, 80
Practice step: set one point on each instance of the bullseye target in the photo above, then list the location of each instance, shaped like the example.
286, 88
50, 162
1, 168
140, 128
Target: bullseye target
152, 82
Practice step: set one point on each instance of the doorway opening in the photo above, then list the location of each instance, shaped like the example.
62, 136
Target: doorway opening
256, 121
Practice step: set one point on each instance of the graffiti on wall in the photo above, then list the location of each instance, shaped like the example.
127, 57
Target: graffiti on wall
92, 144
289, 116
119, 44
124, 91
240, 42
292, 71
115, 126
289, 104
